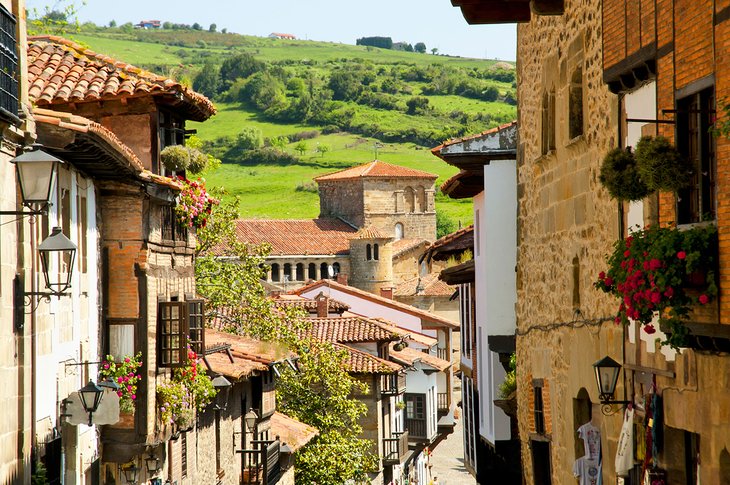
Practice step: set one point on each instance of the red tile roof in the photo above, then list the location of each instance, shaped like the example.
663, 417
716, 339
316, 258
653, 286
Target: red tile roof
84, 125
404, 245
248, 354
61, 72
427, 317
298, 237
291, 431
371, 232
307, 304
350, 329
408, 356
430, 285
373, 169
437, 150
359, 362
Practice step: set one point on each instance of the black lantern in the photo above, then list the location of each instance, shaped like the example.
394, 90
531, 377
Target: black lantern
37, 174
130, 473
286, 455
57, 243
91, 395
223, 386
250, 419
109, 383
152, 463
607, 371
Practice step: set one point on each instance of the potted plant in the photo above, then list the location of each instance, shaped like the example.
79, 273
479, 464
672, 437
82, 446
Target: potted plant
620, 175
660, 165
189, 390
194, 204
125, 374
178, 158
651, 272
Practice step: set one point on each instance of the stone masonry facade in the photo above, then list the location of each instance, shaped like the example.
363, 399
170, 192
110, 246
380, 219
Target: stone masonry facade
566, 226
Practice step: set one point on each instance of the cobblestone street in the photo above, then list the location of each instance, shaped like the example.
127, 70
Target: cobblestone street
448, 456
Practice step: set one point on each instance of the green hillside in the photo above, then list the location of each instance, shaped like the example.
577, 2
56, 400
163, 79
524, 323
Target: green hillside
318, 107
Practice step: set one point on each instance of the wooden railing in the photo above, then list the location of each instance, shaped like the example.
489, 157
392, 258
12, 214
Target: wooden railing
416, 427
260, 466
442, 402
395, 448
443, 354
393, 384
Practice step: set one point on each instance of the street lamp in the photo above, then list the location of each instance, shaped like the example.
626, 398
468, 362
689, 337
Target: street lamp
57, 243
607, 371
223, 386
37, 172
130, 473
91, 395
250, 419
152, 463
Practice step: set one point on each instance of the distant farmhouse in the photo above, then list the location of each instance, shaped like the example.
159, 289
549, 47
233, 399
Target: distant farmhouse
277, 35
149, 24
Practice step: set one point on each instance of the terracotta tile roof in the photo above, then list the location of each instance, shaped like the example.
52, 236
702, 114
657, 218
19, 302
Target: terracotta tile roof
371, 232
359, 362
437, 150
128, 160
408, 356
404, 245
61, 72
376, 168
298, 237
430, 285
248, 354
291, 432
350, 329
148, 176
427, 317
451, 244
308, 304
409, 335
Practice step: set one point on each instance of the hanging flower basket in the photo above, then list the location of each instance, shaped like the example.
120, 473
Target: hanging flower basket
620, 175
194, 204
189, 390
661, 166
654, 272
178, 158
126, 374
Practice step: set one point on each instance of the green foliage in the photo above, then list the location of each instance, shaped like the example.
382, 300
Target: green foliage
346, 85
40, 473
267, 156
301, 147
620, 175
238, 66
177, 158
189, 390
509, 385
249, 139
417, 105
125, 374
279, 142
323, 148
61, 19
444, 224
652, 271
420, 47
382, 42
660, 165
199, 166
212, 28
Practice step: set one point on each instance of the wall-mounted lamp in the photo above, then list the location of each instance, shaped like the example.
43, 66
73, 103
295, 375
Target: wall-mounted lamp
251, 418
223, 386
607, 371
152, 463
37, 172
57, 243
130, 473
91, 395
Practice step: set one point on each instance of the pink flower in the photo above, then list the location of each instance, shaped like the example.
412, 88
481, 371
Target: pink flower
133, 396
126, 359
129, 388
609, 281
681, 255
119, 393
120, 379
704, 299
649, 328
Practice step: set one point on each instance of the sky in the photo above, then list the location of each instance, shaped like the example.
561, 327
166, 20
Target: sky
434, 22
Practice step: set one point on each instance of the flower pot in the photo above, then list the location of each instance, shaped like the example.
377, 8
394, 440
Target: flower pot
126, 420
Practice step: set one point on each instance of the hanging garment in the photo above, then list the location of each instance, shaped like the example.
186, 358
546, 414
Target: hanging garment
625, 449
587, 470
591, 437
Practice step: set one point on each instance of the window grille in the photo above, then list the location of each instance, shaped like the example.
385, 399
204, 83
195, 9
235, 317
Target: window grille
8, 64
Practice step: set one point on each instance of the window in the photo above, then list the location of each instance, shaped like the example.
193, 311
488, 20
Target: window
375, 252
287, 272
422, 202
8, 65
300, 272
83, 230
179, 322
172, 230
548, 122
368, 252
465, 303
538, 410
415, 406
312, 271
695, 113
323, 270
335, 269
275, 276
172, 130
410, 196
575, 117
398, 231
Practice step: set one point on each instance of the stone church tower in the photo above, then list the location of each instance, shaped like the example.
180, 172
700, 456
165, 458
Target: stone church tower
397, 200
371, 260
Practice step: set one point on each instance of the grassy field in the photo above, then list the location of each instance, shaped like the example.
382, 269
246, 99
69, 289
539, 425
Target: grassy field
270, 191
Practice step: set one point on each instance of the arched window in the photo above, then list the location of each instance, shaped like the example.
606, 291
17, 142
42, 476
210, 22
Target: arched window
398, 231
410, 199
336, 269
312, 271
323, 271
576, 103
287, 272
368, 252
300, 272
275, 272
422, 202
375, 252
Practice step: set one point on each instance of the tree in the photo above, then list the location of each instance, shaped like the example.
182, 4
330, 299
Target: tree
444, 224
208, 80
240, 65
417, 105
249, 139
212, 28
197, 26
112, 24
382, 42
59, 20
345, 85
434, 51
224, 31
301, 147
322, 148
167, 25
420, 47
279, 142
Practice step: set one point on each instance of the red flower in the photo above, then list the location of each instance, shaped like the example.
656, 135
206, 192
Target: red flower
627, 253
602, 275
704, 299
649, 328
609, 281
669, 292
655, 264
681, 255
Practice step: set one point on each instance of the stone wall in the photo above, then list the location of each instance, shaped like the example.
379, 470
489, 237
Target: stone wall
371, 274
566, 226
342, 198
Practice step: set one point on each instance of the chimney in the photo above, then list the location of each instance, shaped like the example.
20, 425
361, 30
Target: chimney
386, 293
323, 303
341, 278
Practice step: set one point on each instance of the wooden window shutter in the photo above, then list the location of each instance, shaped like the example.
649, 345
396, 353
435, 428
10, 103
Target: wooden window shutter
196, 325
172, 334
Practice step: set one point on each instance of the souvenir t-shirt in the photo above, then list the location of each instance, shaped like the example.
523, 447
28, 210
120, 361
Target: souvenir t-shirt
591, 437
588, 471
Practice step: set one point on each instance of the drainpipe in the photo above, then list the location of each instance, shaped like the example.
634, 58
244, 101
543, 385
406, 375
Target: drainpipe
33, 350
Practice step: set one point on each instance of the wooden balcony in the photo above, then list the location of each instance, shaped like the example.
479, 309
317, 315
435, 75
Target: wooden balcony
260, 465
395, 448
443, 354
442, 402
416, 428
393, 384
